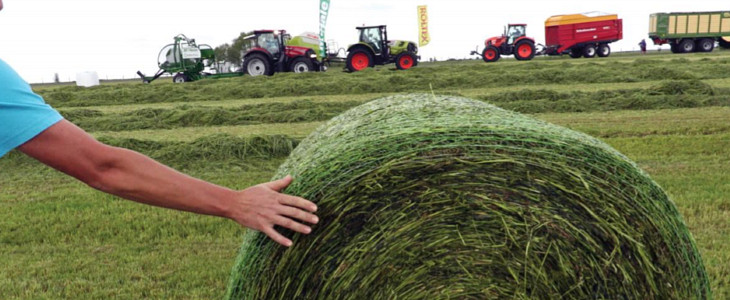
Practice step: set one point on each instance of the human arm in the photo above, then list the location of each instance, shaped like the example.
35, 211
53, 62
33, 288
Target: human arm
136, 177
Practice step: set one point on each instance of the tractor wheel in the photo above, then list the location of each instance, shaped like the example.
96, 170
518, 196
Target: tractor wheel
724, 42
524, 50
180, 78
589, 51
301, 65
686, 46
576, 52
705, 45
603, 50
359, 59
490, 54
257, 64
405, 61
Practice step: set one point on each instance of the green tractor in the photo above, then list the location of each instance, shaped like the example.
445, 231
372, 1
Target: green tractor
375, 49
186, 61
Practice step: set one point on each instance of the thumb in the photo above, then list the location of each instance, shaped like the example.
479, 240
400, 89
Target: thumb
280, 184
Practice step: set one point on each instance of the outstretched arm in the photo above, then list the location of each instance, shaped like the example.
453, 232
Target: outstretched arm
133, 176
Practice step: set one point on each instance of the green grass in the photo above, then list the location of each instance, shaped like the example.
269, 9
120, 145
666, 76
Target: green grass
59, 239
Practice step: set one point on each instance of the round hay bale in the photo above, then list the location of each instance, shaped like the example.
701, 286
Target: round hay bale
431, 197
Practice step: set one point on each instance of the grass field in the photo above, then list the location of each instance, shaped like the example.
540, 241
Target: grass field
60, 239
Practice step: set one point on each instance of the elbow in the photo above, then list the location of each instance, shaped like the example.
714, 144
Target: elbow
102, 171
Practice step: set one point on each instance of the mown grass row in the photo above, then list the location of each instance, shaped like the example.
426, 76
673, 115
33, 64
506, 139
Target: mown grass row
466, 75
196, 116
663, 95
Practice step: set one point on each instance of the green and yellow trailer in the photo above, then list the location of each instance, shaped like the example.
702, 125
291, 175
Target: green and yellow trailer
690, 31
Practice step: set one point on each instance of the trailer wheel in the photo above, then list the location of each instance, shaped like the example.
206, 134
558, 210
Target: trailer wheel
257, 64
405, 61
180, 78
490, 54
589, 51
705, 45
686, 46
604, 50
724, 42
576, 52
301, 65
524, 50
358, 60
674, 48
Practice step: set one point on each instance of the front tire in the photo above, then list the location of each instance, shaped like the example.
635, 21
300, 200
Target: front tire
490, 54
257, 64
405, 61
576, 52
301, 65
524, 50
589, 51
604, 50
180, 78
358, 60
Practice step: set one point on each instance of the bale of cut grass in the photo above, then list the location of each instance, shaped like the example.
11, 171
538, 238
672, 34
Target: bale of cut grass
436, 197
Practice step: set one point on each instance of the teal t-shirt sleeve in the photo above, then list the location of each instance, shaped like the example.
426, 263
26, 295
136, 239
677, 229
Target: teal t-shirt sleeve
23, 114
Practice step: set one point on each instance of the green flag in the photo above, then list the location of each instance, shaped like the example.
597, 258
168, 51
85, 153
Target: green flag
324, 9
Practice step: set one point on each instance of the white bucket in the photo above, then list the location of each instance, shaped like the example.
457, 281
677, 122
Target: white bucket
87, 79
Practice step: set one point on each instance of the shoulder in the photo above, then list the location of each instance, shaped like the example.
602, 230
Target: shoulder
24, 113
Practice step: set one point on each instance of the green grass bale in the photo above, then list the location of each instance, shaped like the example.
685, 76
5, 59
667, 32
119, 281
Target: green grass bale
435, 197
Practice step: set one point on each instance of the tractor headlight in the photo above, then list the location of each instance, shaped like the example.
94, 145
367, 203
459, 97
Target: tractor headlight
313, 55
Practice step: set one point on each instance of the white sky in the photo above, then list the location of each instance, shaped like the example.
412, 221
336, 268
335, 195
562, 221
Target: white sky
116, 38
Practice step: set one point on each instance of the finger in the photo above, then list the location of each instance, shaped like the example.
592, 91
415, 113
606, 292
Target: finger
291, 224
298, 202
280, 184
277, 237
298, 214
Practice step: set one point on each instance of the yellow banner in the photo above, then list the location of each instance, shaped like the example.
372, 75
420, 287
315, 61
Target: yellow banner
423, 37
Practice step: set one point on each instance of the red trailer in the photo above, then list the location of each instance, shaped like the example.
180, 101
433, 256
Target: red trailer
584, 35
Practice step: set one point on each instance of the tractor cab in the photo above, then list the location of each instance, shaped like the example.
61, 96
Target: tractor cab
514, 32
376, 37
272, 42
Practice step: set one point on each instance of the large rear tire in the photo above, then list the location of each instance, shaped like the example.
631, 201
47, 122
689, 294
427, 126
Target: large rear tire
257, 64
589, 51
603, 50
686, 46
524, 50
358, 60
490, 54
405, 61
705, 45
301, 65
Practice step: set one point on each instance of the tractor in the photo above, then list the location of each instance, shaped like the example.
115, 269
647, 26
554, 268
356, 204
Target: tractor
374, 48
512, 42
186, 61
266, 52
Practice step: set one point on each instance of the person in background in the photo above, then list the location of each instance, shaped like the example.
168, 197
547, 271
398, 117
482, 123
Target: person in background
30, 125
642, 45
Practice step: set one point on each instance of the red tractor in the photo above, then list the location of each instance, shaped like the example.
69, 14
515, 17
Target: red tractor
512, 42
266, 52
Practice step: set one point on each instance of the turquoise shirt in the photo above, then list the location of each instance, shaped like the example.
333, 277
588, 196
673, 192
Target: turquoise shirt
23, 114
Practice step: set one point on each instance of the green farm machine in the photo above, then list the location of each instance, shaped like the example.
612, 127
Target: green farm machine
186, 61
375, 49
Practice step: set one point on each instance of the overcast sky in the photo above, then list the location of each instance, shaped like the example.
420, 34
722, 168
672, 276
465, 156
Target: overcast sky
116, 38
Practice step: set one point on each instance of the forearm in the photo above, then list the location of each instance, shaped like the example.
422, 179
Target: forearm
133, 176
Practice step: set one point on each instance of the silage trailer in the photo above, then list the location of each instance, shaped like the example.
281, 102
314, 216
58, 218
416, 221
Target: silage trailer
687, 32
